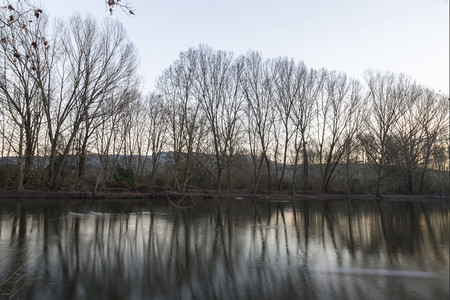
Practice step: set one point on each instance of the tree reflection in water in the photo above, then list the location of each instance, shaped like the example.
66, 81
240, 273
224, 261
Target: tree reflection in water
228, 250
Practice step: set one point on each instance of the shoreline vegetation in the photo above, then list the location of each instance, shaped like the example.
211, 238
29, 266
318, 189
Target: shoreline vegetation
68, 195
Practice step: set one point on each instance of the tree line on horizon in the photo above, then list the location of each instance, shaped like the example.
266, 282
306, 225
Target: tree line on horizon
215, 120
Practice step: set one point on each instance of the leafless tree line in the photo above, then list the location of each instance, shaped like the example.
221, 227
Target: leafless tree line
277, 117
72, 115
55, 97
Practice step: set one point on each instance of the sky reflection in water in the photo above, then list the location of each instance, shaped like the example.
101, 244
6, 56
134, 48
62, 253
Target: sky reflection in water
227, 250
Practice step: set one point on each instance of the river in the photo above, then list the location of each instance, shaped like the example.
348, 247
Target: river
228, 249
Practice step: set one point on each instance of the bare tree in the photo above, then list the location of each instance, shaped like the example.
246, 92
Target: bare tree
17, 13
289, 83
337, 105
183, 114
99, 61
136, 147
107, 61
415, 134
18, 90
21, 14
302, 117
217, 89
125, 6
257, 87
156, 131
88, 63
108, 136
389, 97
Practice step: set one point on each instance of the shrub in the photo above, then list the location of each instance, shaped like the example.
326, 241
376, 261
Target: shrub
123, 177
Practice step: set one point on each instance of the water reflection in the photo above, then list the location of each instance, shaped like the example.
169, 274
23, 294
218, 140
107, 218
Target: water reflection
227, 250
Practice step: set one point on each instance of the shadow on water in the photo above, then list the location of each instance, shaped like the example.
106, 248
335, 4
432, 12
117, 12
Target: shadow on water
226, 250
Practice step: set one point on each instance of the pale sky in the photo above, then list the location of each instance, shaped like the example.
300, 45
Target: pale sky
409, 36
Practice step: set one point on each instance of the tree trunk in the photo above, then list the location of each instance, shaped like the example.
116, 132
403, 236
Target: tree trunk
269, 173
305, 168
283, 170
294, 172
379, 192
82, 159
20, 164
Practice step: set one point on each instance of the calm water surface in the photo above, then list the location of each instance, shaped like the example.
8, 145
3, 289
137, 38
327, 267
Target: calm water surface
225, 250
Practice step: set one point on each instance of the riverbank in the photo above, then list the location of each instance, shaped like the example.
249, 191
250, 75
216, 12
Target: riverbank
34, 195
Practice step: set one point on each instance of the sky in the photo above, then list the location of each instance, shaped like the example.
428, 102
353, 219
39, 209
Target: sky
351, 36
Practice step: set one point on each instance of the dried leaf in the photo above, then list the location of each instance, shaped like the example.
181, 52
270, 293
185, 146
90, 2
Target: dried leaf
10, 7
34, 44
4, 40
131, 12
11, 18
